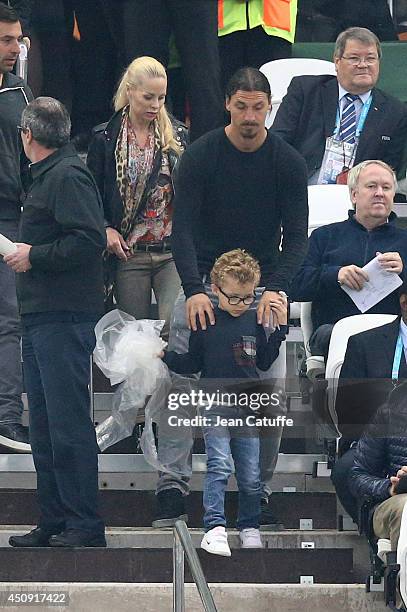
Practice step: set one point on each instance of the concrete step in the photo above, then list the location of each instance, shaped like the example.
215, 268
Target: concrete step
282, 482
105, 597
260, 566
122, 537
135, 508
130, 537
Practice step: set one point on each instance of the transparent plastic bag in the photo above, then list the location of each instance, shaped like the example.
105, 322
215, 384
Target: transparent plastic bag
127, 352
174, 454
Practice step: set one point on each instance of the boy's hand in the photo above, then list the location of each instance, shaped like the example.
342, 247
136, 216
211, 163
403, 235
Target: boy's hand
161, 354
265, 310
199, 305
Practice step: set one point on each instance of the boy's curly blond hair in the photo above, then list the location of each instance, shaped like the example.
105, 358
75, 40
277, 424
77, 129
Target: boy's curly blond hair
238, 264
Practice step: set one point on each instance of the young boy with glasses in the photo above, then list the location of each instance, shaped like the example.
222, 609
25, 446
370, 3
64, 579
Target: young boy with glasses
231, 350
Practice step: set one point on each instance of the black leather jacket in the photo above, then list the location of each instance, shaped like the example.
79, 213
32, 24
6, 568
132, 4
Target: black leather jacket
101, 162
382, 450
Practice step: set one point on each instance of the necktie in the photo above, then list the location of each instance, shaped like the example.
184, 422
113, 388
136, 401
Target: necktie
347, 131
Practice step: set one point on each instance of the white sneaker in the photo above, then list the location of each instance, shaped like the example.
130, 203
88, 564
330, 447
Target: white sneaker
383, 547
215, 541
250, 538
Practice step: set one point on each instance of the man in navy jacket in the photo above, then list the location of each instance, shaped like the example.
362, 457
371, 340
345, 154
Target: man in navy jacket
337, 253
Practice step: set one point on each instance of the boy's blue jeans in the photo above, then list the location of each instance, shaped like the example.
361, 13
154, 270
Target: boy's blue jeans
222, 444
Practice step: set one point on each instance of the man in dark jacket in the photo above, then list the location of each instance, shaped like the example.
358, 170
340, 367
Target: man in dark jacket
315, 116
381, 463
60, 292
14, 97
373, 363
337, 253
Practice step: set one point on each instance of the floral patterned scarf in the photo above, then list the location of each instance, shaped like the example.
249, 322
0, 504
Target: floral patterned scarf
133, 171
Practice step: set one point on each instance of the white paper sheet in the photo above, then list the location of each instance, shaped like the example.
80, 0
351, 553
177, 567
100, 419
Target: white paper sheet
6, 246
380, 284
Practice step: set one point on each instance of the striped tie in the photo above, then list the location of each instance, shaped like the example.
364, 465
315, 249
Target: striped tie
347, 129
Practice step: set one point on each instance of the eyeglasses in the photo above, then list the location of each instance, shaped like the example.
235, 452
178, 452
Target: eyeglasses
355, 60
234, 300
21, 128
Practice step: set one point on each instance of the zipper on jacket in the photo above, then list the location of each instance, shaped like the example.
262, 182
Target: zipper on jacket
366, 247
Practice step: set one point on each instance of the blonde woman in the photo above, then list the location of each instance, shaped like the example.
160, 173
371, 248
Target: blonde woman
133, 158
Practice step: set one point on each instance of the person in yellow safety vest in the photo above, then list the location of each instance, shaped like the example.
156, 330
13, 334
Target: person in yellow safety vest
253, 32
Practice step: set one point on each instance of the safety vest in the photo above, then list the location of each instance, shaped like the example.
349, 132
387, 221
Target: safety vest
277, 17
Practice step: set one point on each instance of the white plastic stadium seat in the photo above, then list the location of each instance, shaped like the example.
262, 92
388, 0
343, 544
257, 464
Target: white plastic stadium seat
327, 204
280, 72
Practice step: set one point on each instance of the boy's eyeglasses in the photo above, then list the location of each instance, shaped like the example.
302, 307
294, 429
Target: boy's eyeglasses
234, 300
21, 128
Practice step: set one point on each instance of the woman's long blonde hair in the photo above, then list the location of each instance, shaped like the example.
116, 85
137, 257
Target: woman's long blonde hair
143, 68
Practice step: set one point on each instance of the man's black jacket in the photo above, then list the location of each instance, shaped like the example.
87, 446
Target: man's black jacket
382, 450
63, 220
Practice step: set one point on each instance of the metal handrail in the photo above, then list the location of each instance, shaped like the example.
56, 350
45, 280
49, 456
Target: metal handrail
183, 544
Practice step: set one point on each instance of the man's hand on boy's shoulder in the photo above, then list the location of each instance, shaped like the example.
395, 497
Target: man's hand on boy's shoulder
272, 304
198, 308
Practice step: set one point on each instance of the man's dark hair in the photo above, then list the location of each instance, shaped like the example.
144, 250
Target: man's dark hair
8, 14
248, 79
48, 121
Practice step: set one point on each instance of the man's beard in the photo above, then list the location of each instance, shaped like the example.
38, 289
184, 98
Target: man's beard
249, 135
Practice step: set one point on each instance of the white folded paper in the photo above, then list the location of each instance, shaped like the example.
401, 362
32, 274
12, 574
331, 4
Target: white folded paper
6, 246
380, 284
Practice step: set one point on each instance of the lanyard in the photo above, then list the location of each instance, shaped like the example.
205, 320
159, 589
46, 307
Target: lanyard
362, 118
397, 359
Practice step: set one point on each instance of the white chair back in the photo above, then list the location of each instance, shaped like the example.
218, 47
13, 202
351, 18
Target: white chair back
280, 72
327, 204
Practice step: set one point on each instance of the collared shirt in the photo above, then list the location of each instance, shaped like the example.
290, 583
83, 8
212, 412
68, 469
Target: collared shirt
358, 103
313, 180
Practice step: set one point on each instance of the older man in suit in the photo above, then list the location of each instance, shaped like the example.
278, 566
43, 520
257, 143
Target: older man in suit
337, 122
375, 361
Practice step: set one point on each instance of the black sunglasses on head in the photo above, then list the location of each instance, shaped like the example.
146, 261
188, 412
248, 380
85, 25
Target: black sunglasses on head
21, 128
